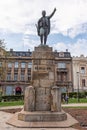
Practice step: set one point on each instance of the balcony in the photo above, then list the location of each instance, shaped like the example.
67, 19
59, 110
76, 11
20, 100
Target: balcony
63, 83
62, 70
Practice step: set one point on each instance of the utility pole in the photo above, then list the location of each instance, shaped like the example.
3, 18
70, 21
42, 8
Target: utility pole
78, 86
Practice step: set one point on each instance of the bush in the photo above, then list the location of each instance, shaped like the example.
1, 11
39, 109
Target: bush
82, 95
74, 94
12, 97
0, 98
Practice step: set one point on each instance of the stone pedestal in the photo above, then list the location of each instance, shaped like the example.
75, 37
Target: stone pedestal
42, 102
56, 99
40, 116
43, 76
29, 99
43, 98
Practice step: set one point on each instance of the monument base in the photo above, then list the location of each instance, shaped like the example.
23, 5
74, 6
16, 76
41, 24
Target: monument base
41, 116
70, 121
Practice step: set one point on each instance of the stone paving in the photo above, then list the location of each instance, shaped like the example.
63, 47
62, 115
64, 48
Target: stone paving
75, 105
5, 116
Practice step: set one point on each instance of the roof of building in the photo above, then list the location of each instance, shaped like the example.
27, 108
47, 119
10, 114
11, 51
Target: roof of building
29, 54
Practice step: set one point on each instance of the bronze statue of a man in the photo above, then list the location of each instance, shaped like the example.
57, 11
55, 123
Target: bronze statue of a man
43, 27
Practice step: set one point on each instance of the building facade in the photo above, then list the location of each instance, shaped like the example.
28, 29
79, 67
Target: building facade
79, 66
64, 70
17, 71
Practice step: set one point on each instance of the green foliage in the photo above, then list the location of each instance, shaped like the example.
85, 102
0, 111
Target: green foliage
12, 98
0, 98
11, 103
3, 55
2, 44
75, 100
74, 94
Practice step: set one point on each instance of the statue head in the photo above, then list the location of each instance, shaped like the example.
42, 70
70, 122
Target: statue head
43, 13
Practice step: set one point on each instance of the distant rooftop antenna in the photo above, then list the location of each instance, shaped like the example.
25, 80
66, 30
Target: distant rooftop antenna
11, 49
28, 50
55, 50
66, 50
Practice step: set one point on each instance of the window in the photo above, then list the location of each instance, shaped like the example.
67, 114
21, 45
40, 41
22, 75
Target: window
29, 74
23, 65
22, 77
62, 76
15, 77
82, 70
29, 77
16, 70
9, 90
0, 64
16, 64
30, 65
9, 65
61, 54
61, 65
8, 76
83, 82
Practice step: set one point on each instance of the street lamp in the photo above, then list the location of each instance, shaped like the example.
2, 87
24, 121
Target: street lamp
78, 86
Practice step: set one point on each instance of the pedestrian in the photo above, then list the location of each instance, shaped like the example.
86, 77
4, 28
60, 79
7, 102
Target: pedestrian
66, 99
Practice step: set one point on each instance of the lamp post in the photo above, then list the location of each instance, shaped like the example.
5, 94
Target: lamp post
78, 86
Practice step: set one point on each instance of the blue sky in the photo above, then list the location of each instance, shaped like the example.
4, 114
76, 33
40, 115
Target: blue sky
68, 25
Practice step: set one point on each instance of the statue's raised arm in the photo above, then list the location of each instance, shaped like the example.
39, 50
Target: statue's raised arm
52, 13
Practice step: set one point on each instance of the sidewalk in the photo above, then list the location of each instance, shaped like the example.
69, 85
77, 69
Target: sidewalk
63, 105
11, 107
75, 105
5, 116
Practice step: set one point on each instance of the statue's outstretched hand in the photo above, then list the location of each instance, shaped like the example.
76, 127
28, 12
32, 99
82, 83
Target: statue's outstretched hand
54, 9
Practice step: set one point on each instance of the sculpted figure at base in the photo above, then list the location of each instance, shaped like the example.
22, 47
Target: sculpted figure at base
43, 27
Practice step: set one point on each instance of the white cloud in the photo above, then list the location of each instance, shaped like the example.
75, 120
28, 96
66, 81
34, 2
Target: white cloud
70, 13
30, 43
76, 30
20, 16
15, 14
76, 49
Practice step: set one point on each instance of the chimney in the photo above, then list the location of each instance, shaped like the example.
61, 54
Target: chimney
66, 50
11, 49
28, 50
55, 50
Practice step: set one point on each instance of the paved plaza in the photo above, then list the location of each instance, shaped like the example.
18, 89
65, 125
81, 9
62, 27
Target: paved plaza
4, 116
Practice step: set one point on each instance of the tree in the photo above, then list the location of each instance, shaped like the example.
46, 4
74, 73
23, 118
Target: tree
3, 57
2, 44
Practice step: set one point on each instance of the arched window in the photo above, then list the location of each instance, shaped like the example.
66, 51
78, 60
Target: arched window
82, 70
18, 91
